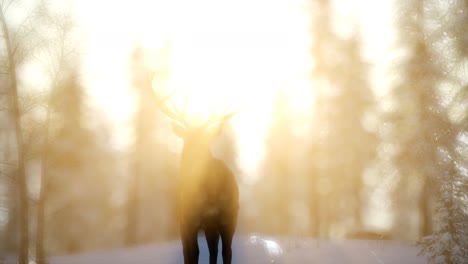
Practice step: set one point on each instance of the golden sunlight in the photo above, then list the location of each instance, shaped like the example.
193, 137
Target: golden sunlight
309, 81
236, 56
230, 56
220, 55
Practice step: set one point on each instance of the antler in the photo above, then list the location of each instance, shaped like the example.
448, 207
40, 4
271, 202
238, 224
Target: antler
218, 118
178, 116
172, 112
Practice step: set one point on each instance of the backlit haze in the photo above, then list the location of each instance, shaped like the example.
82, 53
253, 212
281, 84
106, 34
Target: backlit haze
234, 54
346, 118
221, 55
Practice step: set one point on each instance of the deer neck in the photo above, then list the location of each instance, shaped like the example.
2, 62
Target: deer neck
194, 163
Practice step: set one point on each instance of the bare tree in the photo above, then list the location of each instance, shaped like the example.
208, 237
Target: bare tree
57, 57
24, 42
14, 103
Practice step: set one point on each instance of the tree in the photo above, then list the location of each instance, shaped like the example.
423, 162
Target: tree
8, 203
352, 144
151, 179
58, 57
416, 117
80, 175
39, 38
342, 147
14, 102
323, 37
449, 243
279, 164
141, 80
66, 157
22, 41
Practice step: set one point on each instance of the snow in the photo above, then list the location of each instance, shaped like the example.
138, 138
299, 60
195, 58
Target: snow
262, 250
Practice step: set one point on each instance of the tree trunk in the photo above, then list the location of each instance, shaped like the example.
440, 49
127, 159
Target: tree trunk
40, 229
132, 211
314, 204
20, 174
425, 211
358, 207
133, 201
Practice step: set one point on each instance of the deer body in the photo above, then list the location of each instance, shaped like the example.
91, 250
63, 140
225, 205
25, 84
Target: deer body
207, 200
207, 195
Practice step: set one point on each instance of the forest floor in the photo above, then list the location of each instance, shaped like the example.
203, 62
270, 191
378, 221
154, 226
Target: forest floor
262, 250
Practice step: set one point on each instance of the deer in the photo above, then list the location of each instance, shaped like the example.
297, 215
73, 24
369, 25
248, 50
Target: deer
207, 191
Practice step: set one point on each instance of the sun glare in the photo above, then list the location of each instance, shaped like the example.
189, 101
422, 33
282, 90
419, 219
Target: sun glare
234, 55
237, 55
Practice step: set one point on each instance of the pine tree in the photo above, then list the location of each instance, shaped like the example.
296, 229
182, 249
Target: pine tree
344, 147
449, 242
321, 46
418, 122
151, 181
355, 145
80, 175
281, 147
68, 142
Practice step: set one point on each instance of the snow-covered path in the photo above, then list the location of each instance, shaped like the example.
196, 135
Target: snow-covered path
256, 250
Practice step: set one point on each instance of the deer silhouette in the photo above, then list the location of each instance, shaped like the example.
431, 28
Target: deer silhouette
207, 195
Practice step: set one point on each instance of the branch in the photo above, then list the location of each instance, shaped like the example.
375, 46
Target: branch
15, 48
24, 30
34, 105
7, 6
25, 111
8, 163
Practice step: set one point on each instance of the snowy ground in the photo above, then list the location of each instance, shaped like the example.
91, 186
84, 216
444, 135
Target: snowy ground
256, 250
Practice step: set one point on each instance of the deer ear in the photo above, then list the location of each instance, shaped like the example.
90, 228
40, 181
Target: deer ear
178, 129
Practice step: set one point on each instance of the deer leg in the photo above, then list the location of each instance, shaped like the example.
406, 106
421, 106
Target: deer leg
227, 232
190, 247
212, 239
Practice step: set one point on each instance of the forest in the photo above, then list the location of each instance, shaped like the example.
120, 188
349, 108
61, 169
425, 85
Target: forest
351, 120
